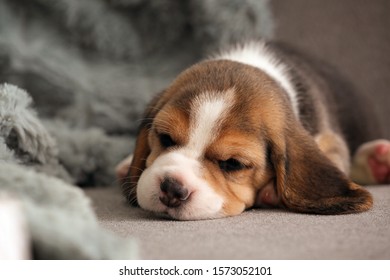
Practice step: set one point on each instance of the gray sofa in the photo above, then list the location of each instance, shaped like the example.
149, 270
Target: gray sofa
353, 35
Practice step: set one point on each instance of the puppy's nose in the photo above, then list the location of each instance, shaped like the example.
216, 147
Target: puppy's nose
173, 192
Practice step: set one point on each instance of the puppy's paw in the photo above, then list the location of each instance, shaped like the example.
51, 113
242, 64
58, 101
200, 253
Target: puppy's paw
122, 169
267, 196
379, 162
371, 163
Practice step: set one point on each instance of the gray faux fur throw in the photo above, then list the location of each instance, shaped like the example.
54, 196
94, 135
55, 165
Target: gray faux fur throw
51, 206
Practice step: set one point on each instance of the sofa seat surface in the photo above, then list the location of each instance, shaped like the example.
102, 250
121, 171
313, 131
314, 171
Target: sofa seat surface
255, 234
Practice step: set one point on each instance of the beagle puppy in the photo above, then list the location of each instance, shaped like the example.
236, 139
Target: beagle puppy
253, 126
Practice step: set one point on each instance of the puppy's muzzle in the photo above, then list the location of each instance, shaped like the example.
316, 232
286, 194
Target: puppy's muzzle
173, 193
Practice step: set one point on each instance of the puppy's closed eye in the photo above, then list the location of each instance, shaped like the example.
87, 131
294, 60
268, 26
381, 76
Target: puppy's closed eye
166, 140
231, 165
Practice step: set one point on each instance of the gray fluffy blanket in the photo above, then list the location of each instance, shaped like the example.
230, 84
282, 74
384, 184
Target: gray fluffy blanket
89, 68
60, 220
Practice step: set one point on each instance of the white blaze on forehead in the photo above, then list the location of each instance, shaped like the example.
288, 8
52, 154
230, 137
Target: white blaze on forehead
207, 112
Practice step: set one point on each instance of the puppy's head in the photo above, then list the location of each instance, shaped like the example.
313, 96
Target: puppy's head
223, 138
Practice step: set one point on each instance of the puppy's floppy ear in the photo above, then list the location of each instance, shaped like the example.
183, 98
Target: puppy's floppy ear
142, 149
307, 181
